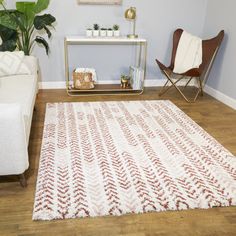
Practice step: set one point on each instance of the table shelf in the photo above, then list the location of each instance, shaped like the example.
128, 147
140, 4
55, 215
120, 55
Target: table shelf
104, 89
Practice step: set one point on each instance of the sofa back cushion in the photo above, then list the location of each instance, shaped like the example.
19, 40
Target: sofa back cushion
32, 63
12, 63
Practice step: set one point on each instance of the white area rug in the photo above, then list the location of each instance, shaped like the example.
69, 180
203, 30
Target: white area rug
113, 158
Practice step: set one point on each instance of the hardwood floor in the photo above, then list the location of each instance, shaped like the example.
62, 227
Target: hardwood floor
16, 203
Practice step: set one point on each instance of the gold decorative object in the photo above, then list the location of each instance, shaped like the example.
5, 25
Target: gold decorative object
125, 81
130, 14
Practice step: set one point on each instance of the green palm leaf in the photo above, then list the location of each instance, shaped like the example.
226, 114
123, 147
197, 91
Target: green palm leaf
41, 5
43, 42
9, 39
7, 19
41, 22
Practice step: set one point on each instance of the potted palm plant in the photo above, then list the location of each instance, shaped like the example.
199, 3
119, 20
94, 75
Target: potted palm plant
103, 32
110, 32
116, 30
96, 30
89, 32
22, 27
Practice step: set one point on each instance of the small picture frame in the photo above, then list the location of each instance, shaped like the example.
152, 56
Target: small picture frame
136, 77
98, 2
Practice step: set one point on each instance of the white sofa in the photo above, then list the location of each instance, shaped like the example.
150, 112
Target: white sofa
17, 100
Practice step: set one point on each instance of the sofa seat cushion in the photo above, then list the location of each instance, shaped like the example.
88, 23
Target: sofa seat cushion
13, 153
20, 89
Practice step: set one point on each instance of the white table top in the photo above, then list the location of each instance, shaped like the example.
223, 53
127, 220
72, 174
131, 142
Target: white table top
81, 39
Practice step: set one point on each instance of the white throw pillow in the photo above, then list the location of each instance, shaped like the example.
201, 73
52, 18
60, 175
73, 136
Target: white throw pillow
12, 63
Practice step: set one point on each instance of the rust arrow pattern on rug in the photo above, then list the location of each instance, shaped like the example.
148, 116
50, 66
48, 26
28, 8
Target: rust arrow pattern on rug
114, 158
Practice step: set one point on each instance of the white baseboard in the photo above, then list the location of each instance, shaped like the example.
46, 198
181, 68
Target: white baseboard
154, 82
150, 83
220, 96
52, 85
161, 82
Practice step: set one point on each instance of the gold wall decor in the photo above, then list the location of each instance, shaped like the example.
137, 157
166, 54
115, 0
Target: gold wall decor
105, 2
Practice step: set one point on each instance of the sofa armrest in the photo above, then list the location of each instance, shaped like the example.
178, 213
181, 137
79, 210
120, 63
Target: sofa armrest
13, 144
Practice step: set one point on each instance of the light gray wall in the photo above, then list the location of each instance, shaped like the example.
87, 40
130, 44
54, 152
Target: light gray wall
156, 21
221, 15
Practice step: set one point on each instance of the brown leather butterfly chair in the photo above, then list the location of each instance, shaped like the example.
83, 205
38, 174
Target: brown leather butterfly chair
209, 51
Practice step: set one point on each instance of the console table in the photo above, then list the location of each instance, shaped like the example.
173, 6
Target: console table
139, 43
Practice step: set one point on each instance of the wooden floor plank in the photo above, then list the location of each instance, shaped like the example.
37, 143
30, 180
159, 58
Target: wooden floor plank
16, 203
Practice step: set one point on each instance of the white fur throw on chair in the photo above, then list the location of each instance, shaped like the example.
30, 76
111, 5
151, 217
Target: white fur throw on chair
189, 53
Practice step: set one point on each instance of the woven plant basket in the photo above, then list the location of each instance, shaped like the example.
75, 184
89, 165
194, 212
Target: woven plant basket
83, 80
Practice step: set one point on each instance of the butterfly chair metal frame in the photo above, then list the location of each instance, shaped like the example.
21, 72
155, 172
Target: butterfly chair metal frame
210, 48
